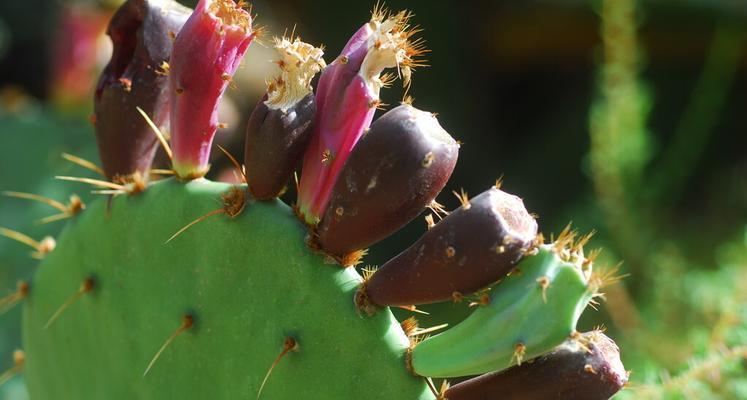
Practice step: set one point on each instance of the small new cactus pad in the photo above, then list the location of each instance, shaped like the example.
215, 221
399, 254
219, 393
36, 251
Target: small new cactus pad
185, 288
526, 314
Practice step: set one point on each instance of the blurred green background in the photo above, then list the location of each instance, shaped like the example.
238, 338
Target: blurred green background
625, 117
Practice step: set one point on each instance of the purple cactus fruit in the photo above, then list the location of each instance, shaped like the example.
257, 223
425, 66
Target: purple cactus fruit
281, 124
141, 32
394, 172
346, 98
583, 368
473, 247
207, 52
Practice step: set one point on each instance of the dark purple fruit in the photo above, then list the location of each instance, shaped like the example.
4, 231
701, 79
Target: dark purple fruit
396, 169
473, 247
275, 142
141, 32
587, 368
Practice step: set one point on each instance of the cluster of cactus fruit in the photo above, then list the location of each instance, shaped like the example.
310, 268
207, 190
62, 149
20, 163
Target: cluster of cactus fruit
144, 296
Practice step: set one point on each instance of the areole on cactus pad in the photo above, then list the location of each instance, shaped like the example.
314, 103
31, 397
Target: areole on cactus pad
158, 292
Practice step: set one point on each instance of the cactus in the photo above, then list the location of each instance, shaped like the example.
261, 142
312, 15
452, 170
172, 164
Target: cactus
245, 301
29, 171
526, 314
141, 33
152, 291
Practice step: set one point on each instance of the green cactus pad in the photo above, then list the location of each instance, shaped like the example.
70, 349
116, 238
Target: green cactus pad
530, 312
250, 282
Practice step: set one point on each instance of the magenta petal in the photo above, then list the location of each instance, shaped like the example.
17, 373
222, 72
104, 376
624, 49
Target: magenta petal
346, 98
206, 54
329, 149
330, 95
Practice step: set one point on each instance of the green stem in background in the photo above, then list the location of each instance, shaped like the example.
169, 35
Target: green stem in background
619, 139
699, 371
702, 114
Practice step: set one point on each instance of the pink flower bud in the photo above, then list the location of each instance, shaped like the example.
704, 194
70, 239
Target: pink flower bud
207, 52
347, 97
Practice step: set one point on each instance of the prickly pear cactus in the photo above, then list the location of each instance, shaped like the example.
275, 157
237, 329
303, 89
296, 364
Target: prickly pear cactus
187, 288
248, 283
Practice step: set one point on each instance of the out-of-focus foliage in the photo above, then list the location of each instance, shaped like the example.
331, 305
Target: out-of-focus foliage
37, 137
685, 329
696, 324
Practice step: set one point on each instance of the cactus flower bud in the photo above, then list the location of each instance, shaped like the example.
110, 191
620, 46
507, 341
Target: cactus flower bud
207, 52
474, 246
584, 368
347, 97
281, 124
141, 33
394, 172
